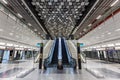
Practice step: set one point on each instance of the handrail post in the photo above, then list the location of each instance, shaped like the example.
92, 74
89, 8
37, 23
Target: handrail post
41, 56
78, 56
60, 66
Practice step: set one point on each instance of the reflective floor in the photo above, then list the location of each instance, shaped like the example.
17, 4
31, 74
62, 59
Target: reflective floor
92, 70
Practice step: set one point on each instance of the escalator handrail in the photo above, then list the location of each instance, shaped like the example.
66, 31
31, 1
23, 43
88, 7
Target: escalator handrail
50, 55
68, 52
71, 60
52, 50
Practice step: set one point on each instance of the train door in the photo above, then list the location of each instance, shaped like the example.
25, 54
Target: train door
110, 55
115, 56
1, 55
29, 54
6, 56
15, 54
95, 55
105, 55
118, 52
21, 54
11, 55
26, 54
98, 52
101, 55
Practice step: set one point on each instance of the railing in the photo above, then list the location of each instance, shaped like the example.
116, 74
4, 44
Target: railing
50, 55
71, 60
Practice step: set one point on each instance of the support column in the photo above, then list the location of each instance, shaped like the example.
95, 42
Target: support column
41, 56
78, 56
60, 66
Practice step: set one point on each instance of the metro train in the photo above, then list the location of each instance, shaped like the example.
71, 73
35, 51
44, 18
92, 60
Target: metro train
107, 54
8, 54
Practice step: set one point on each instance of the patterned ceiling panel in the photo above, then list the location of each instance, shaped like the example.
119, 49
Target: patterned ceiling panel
60, 16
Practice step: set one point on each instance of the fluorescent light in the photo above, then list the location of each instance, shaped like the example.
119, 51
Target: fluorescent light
117, 30
99, 27
103, 45
114, 3
9, 44
1, 29
110, 45
39, 33
109, 33
16, 45
35, 29
90, 25
117, 44
99, 17
29, 24
20, 15
5, 1
21, 46
2, 43
11, 34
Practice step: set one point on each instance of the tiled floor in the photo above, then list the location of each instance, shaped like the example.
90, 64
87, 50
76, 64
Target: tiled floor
92, 70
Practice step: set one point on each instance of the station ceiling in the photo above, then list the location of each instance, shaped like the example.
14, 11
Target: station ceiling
56, 18
52, 17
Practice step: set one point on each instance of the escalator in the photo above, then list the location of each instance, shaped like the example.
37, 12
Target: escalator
58, 50
52, 60
55, 54
64, 54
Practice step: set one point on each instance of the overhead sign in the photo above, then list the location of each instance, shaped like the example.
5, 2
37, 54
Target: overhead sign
82, 44
38, 44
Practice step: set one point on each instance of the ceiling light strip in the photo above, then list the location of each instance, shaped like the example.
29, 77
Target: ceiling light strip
33, 15
5, 1
114, 3
86, 16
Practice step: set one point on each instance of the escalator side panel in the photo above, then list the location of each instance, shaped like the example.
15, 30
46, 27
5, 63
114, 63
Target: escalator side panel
64, 53
55, 53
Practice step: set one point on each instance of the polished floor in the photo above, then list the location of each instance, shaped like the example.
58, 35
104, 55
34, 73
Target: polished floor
91, 70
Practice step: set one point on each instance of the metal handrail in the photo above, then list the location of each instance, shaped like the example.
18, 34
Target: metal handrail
50, 55
68, 52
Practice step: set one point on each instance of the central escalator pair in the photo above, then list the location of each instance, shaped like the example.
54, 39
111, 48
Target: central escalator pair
59, 52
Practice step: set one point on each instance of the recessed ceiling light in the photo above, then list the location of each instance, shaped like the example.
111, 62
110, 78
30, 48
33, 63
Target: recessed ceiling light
35, 29
117, 44
109, 33
5, 1
20, 15
2, 43
114, 3
11, 34
109, 45
99, 17
99, 27
90, 25
117, 30
29, 24
9, 44
1, 29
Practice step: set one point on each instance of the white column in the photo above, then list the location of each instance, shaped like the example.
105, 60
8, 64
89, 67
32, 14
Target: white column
60, 50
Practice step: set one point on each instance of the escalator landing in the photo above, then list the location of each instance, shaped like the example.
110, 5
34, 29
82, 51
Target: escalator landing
56, 71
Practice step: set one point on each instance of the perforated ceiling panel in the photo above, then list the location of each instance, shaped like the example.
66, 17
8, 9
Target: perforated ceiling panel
60, 15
